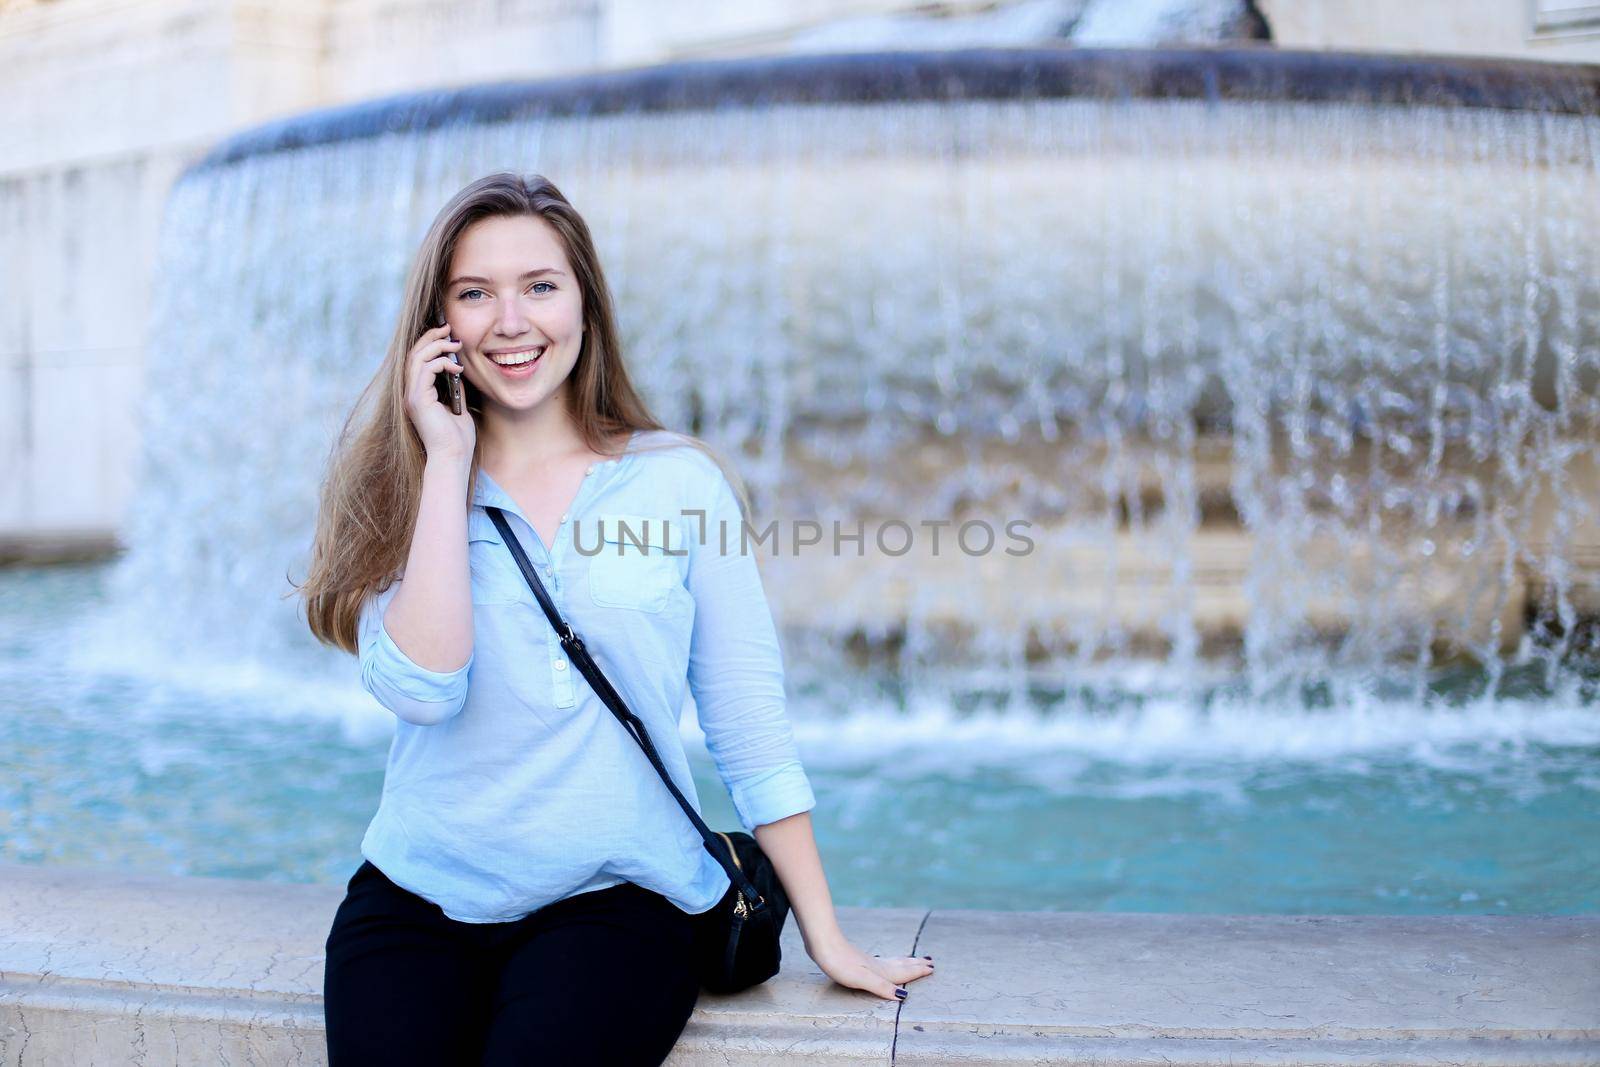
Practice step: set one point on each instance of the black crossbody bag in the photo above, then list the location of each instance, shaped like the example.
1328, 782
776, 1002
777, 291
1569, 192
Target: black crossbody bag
736, 941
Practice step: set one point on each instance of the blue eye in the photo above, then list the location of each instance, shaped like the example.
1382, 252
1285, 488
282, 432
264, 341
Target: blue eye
535, 285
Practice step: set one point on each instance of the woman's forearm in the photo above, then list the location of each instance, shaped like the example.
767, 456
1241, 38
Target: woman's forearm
430, 617
792, 848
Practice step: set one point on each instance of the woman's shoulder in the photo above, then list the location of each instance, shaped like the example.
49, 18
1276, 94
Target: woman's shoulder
674, 454
680, 476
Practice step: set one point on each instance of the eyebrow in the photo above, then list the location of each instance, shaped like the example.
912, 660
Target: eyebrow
525, 274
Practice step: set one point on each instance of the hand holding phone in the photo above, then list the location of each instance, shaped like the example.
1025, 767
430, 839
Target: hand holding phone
449, 385
443, 433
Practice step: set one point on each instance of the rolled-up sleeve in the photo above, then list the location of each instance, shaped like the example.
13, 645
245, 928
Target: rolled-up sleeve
736, 673
414, 693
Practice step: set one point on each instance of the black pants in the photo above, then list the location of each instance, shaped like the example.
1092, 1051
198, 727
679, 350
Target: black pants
601, 977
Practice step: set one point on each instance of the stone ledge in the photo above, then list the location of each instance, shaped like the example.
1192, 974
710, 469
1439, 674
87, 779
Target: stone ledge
98, 968
31, 547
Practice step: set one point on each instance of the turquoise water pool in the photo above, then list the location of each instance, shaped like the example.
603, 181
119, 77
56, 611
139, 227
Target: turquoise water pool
1144, 803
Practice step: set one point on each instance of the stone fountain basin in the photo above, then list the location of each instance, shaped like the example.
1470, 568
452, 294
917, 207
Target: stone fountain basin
109, 968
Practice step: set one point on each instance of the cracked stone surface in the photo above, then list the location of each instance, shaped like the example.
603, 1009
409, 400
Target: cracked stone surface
1052, 987
105, 968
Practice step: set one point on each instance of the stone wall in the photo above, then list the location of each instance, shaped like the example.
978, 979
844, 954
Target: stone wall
1564, 30
106, 102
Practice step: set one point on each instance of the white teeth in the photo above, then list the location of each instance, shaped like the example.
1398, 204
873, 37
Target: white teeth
517, 358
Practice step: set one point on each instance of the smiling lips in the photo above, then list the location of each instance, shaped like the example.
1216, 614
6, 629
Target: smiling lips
520, 364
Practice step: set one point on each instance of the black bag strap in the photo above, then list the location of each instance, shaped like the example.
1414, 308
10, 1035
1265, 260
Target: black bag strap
578, 652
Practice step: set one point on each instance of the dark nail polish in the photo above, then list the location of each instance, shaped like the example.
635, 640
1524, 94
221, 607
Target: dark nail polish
901, 993
927, 957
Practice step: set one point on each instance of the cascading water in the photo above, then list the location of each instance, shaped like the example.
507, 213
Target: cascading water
1292, 362
1347, 349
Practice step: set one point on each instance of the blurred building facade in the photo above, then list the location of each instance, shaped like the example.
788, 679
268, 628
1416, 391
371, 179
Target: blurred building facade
107, 101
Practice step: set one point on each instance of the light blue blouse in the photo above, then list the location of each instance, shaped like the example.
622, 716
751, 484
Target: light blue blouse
509, 784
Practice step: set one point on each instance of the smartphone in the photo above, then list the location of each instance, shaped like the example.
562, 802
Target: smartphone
449, 385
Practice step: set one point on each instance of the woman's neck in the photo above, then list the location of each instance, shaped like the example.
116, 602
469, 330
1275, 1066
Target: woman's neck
510, 447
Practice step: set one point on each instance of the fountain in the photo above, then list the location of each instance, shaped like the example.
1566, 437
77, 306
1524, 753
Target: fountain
1288, 361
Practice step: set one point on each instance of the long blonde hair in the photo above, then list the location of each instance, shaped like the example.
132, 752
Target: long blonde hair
371, 496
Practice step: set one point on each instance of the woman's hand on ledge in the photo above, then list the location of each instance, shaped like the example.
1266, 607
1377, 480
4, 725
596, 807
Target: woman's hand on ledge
792, 847
854, 969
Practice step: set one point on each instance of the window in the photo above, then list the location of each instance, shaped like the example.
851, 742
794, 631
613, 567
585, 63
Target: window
1563, 18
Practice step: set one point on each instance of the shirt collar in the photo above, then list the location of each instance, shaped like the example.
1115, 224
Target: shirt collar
487, 492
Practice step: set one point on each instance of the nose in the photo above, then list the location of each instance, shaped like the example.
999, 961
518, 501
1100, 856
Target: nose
511, 322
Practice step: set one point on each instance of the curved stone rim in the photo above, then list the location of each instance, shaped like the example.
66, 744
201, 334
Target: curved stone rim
1258, 73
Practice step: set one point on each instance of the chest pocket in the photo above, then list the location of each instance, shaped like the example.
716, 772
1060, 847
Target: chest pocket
632, 568
495, 577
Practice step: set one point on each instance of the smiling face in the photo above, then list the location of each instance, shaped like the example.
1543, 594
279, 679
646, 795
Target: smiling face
510, 287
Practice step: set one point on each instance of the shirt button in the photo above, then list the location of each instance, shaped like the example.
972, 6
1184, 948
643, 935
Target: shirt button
589, 471
564, 518
561, 664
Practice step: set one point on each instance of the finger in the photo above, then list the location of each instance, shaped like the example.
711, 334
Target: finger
438, 366
908, 970
422, 386
869, 978
422, 382
908, 959
882, 986
428, 349
904, 969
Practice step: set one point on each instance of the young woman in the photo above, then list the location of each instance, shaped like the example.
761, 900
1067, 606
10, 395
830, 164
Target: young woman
528, 879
